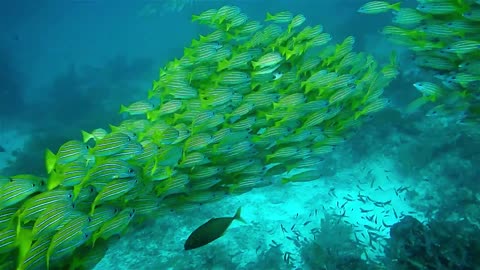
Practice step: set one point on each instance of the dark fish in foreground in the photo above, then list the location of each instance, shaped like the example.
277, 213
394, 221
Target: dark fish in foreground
211, 230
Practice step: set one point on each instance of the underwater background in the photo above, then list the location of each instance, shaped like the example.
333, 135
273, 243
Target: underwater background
398, 190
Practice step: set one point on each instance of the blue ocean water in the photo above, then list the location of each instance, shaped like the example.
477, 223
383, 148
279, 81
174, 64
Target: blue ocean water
403, 187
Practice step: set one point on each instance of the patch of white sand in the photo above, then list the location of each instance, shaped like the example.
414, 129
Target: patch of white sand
369, 195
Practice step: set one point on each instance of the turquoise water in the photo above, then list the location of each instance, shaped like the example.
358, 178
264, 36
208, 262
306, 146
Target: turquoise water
401, 193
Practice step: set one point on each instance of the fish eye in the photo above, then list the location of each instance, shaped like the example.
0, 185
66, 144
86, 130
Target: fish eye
89, 219
87, 235
33, 185
10, 179
70, 195
131, 170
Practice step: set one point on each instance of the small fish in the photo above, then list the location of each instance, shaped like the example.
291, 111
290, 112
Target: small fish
280, 17
429, 89
205, 17
33, 207
19, 188
233, 77
68, 152
114, 226
113, 190
267, 60
111, 144
296, 22
52, 218
473, 14
210, 231
227, 13
464, 46
102, 214
305, 176
96, 134
375, 7
408, 17
138, 108
438, 7
68, 238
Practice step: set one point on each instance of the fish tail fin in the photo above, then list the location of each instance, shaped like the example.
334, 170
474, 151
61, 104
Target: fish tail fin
24, 240
270, 17
54, 180
114, 128
92, 209
152, 116
48, 258
86, 136
195, 18
123, 108
196, 43
285, 180
395, 6
95, 236
223, 65
50, 160
76, 191
19, 224
237, 215
151, 93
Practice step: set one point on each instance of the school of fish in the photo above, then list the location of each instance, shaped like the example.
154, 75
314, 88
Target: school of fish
243, 107
444, 36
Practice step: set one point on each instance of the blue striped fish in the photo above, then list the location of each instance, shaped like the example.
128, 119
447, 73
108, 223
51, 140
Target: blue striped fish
114, 190
19, 188
115, 225
68, 152
111, 144
68, 238
52, 219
